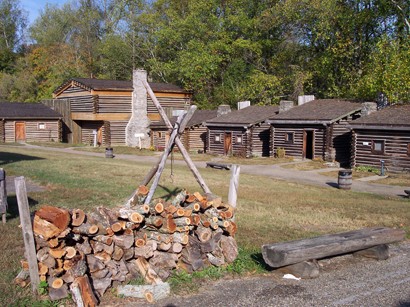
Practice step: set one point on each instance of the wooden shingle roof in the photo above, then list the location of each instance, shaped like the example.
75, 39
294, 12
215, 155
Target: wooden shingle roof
20, 110
116, 85
321, 111
249, 116
392, 117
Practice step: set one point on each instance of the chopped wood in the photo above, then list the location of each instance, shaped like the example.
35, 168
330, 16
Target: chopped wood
77, 217
86, 229
57, 216
44, 228
58, 293
229, 248
82, 292
23, 278
70, 252
156, 292
57, 283
112, 246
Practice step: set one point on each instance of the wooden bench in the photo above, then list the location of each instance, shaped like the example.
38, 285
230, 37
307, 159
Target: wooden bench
300, 257
219, 165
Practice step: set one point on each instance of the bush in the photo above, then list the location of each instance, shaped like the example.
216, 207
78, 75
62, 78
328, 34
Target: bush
280, 152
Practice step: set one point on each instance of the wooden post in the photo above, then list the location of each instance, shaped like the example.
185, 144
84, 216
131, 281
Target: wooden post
180, 125
3, 195
233, 185
178, 142
27, 229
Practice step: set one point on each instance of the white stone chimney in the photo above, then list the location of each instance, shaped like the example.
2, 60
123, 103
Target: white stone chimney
137, 130
305, 98
368, 108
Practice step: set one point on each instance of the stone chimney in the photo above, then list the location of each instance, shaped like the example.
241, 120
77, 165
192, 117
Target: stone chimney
305, 98
368, 108
223, 109
285, 105
243, 104
137, 130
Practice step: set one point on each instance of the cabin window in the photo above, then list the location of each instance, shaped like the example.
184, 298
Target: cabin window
378, 147
289, 137
239, 139
41, 126
218, 138
159, 134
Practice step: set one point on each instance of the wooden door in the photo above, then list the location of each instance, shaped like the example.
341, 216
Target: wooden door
308, 144
20, 131
228, 143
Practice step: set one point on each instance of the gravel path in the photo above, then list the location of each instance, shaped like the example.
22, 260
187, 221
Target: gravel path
343, 281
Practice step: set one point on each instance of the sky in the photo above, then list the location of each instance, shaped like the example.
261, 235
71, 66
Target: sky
33, 7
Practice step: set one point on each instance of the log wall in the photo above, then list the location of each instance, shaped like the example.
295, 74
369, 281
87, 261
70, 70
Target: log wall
396, 149
260, 143
87, 128
341, 140
195, 139
238, 149
295, 148
51, 133
117, 132
71, 131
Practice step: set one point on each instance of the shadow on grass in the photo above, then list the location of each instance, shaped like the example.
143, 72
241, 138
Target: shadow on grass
13, 209
257, 258
6, 158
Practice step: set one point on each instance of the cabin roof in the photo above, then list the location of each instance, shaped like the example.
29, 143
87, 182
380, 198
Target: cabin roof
244, 117
319, 111
23, 110
198, 118
395, 116
116, 85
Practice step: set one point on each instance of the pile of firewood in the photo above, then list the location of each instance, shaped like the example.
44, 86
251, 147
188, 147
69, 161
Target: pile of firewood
88, 253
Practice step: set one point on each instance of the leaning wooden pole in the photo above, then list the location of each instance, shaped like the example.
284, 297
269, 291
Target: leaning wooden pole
178, 142
181, 123
27, 229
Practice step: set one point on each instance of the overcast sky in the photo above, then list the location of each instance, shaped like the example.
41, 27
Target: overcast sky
33, 7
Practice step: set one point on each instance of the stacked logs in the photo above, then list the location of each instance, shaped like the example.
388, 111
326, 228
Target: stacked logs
88, 253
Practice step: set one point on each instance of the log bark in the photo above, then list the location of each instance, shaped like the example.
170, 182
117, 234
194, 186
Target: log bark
156, 292
281, 254
82, 292
57, 216
229, 248
147, 272
59, 293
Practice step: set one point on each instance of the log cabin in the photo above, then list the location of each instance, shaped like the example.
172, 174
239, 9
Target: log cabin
242, 133
194, 137
104, 107
29, 122
383, 135
317, 129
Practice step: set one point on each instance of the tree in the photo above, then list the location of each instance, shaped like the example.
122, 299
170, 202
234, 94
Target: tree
13, 21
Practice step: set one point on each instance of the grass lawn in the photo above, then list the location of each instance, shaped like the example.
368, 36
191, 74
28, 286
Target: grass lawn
268, 210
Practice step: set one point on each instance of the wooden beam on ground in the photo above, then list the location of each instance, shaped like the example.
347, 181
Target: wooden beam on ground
178, 142
27, 229
182, 121
286, 253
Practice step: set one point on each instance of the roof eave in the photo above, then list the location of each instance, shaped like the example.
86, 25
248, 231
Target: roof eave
378, 127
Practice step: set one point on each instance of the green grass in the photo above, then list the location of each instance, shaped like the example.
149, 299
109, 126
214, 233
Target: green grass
268, 210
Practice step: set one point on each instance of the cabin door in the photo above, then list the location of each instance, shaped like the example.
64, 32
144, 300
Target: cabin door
228, 143
20, 131
308, 144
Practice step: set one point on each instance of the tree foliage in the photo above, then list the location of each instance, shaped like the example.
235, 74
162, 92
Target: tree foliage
224, 51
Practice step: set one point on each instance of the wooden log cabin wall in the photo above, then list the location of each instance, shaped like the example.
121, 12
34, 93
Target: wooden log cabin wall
242, 133
29, 122
383, 135
105, 105
316, 129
